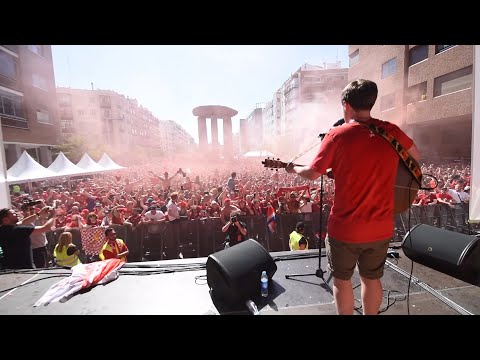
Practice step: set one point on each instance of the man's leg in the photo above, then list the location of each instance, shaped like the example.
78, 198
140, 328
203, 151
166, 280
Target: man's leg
372, 293
343, 296
370, 266
342, 258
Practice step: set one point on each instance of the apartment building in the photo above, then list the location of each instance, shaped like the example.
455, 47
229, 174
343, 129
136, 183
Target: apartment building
174, 139
306, 103
28, 106
254, 129
424, 89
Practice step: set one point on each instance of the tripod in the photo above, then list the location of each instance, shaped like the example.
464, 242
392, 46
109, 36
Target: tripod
319, 272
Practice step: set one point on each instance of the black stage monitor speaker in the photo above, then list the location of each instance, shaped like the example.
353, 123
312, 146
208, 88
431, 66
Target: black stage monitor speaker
449, 252
233, 274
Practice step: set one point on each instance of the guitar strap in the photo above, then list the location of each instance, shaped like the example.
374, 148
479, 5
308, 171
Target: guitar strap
404, 155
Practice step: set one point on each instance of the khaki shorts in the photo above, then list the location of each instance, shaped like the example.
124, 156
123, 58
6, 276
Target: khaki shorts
343, 256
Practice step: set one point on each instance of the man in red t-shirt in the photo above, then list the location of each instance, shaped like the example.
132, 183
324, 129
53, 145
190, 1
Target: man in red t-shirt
360, 224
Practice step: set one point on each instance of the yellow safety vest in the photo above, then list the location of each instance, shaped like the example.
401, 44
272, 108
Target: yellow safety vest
65, 260
118, 244
294, 239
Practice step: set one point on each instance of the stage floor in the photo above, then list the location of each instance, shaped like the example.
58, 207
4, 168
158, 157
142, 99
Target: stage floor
180, 287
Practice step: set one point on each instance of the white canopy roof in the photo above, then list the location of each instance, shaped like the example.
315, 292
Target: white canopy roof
62, 166
258, 153
27, 169
88, 165
106, 162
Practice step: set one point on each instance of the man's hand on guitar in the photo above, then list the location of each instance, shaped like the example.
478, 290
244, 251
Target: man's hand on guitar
289, 168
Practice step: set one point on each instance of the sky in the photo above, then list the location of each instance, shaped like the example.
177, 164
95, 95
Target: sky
171, 80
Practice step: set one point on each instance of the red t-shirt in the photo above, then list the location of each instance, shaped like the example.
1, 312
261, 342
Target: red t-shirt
365, 167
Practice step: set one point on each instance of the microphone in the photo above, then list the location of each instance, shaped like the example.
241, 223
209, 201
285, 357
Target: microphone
337, 123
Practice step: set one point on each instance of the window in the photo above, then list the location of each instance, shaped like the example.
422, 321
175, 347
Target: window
441, 48
39, 82
454, 81
11, 104
105, 101
37, 49
93, 112
387, 102
8, 65
43, 117
389, 68
416, 93
417, 54
354, 57
64, 100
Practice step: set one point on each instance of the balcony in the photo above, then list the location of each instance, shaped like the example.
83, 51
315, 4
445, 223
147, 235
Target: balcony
450, 105
68, 130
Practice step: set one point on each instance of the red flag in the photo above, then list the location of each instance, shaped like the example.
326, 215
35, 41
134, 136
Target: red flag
271, 218
83, 276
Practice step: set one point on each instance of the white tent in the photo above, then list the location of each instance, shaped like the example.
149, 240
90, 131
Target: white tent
62, 166
26, 169
89, 166
258, 153
106, 162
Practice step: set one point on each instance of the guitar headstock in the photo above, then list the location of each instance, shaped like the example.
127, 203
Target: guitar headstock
274, 164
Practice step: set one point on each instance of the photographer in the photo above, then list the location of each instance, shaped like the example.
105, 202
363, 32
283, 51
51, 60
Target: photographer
15, 239
236, 231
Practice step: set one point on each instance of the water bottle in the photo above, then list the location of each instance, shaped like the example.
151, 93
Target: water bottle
264, 281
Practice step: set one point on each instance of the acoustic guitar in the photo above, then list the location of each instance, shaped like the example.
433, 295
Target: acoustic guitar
406, 185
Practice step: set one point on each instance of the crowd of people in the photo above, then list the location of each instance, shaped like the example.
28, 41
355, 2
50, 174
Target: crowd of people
225, 189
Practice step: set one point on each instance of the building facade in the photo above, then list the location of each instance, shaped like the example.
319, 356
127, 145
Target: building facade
254, 125
424, 89
174, 139
308, 99
28, 106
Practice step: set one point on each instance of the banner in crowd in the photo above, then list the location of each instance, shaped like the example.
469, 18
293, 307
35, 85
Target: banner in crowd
296, 189
92, 240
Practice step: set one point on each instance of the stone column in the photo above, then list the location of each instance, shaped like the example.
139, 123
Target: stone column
214, 130
227, 138
202, 133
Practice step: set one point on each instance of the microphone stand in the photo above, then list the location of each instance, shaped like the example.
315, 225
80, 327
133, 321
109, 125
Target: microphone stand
319, 272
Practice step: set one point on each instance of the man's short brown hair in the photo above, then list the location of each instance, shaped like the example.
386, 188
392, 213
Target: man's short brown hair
361, 94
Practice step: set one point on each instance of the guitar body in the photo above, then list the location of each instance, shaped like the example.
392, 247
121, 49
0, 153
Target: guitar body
406, 188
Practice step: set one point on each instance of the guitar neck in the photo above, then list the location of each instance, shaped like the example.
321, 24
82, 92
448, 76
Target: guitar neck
276, 164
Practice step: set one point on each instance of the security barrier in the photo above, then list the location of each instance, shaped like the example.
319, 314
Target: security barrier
202, 237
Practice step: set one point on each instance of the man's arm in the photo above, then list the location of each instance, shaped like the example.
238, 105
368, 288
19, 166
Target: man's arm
240, 227
27, 220
303, 171
44, 228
